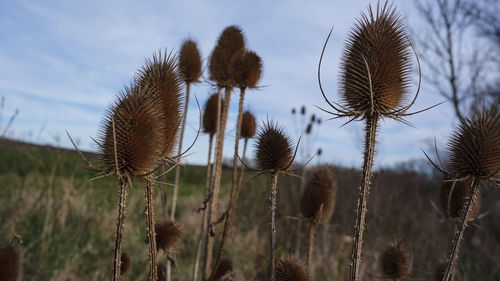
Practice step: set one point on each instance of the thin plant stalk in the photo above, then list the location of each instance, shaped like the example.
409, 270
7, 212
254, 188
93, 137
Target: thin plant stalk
272, 232
242, 168
461, 225
151, 229
203, 221
124, 183
234, 187
310, 246
209, 243
179, 152
359, 228
163, 188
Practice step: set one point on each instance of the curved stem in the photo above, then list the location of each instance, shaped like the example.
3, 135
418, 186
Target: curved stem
234, 187
151, 229
462, 224
359, 228
124, 183
203, 220
310, 246
272, 230
242, 168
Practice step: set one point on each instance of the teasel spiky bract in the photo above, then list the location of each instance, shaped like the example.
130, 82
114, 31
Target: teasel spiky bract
291, 269
274, 155
167, 234
246, 72
230, 44
473, 157
374, 82
132, 139
318, 201
395, 263
10, 262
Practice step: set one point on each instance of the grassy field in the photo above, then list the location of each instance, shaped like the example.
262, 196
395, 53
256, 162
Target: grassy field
67, 223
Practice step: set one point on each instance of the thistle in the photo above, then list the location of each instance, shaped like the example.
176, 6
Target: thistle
474, 157
209, 127
273, 155
290, 269
246, 71
230, 43
167, 234
10, 262
395, 263
132, 142
248, 128
317, 202
374, 82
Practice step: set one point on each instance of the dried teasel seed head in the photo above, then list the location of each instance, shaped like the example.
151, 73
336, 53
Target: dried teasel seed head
441, 269
225, 267
161, 74
319, 121
376, 57
474, 148
291, 269
395, 263
273, 148
190, 62
125, 263
303, 110
293, 111
309, 128
167, 234
210, 114
230, 44
248, 125
161, 272
247, 69
138, 132
320, 151
318, 198
10, 262
453, 196
313, 118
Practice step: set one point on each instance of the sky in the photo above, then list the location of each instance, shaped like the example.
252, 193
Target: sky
62, 64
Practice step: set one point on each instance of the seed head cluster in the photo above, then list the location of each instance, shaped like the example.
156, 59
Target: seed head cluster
247, 69
230, 44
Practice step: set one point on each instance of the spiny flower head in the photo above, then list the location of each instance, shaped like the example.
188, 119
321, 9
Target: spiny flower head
247, 69
376, 60
395, 263
190, 62
125, 263
291, 269
248, 125
274, 151
167, 234
229, 45
474, 148
318, 197
210, 114
138, 133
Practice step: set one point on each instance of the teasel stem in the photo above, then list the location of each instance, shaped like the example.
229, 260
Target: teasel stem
203, 227
461, 225
151, 229
163, 188
359, 228
179, 152
234, 187
272, 232
124, 183
214, 193
310, 246
242, 168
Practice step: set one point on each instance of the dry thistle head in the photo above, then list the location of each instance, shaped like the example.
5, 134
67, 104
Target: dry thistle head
303, 110
210, 114
453, 196
167, 234
441, 269
318, 197
230, 43
137, 120
248, 125
190, 62
474, 148
376, 59
309, 128
125, 263
225, 267
291, 269
10, 262
161, 272
161, 75
274, 151
313, 118
247, 69
395, 263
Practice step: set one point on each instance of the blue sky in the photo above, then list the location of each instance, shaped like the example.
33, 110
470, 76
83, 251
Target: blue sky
63, 62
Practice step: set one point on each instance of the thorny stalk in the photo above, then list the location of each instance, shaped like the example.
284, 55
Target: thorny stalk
124, 183
310, 245
151, 229
272, 232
